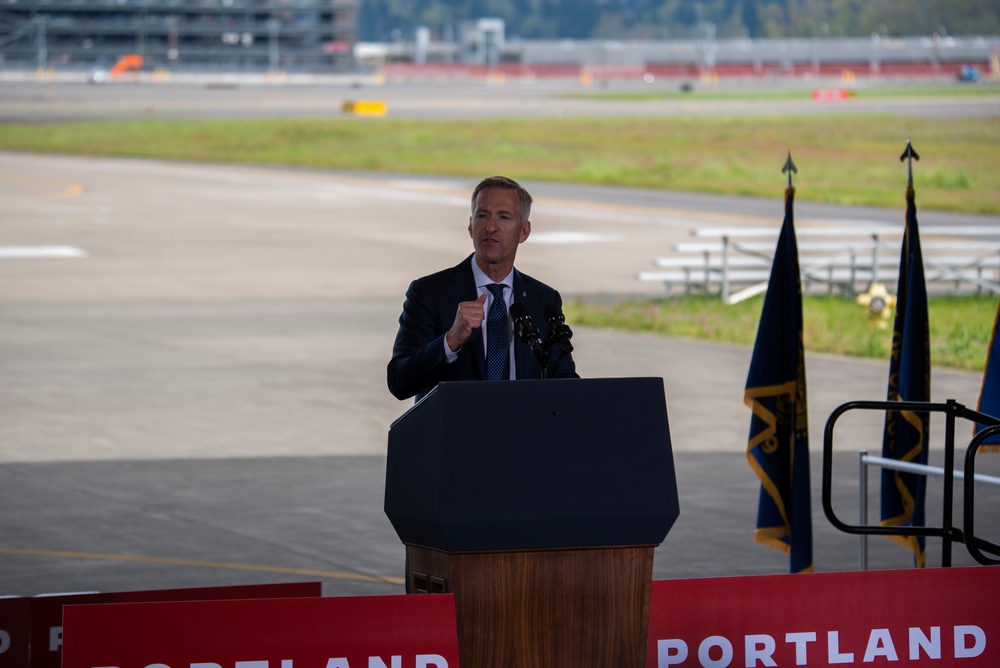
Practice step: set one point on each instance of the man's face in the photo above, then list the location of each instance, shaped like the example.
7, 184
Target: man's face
496, 227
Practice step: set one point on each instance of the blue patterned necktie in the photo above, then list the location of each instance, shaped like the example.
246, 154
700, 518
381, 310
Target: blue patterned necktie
497, 336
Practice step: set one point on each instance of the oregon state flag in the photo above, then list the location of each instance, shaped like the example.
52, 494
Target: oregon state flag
778, 447
906, 433
989, 396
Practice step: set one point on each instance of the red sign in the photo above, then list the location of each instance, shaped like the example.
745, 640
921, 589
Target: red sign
832, 94
346, 632
47, 611
927, 618
14, 631
336, 47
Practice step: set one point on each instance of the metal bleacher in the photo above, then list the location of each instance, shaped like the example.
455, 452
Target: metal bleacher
736, 262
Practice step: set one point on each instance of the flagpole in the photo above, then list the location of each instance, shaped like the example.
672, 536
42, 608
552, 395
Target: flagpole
905, 437
790, 168
949, 451
778, 441
909, 155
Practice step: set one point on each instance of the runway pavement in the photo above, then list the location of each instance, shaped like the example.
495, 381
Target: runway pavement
199, 399
231, 96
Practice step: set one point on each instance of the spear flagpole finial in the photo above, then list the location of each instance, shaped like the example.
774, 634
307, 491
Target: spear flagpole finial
909, 155
790, 168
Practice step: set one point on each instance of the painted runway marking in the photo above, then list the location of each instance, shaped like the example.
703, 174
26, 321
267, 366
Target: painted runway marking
52, 191
165, 561
573, 238
414, 190
36, 252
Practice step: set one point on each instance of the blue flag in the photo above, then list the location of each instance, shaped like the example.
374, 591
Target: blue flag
906, 433
989, 396
778, 447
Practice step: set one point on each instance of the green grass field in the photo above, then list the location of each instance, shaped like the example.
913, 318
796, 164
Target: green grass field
960, 327
841, 159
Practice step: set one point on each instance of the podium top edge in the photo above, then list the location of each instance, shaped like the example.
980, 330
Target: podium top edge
457, 385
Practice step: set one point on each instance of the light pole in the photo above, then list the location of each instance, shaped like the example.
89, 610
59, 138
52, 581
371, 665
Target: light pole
273, 26
40, 42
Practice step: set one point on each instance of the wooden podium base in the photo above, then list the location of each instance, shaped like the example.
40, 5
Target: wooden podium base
576, 608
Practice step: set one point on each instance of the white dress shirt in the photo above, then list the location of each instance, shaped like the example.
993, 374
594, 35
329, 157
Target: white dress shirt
482, 280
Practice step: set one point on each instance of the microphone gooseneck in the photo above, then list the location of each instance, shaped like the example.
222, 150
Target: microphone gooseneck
526, 329
559, 331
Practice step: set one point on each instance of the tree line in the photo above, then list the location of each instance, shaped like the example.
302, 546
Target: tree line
387, 20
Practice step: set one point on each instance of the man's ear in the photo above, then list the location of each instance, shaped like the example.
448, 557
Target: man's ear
525, 231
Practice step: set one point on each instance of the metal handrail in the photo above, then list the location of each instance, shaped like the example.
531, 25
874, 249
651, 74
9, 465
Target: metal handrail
948, 532
866, 460
936, 471
969, 498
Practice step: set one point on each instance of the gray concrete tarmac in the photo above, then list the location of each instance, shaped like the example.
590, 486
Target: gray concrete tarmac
234, 96
199, 399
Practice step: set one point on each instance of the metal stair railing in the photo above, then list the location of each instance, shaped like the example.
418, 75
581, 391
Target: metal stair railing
948, 532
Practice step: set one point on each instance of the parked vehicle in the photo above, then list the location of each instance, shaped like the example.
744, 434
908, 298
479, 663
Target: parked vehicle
969, 74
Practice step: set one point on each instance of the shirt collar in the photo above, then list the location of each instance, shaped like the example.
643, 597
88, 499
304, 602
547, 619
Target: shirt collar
482, 280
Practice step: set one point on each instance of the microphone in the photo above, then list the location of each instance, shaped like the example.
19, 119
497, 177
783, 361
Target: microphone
526, 328
558, 329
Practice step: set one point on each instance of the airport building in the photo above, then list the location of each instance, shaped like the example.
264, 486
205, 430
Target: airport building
320, 36
230, 35
482, 45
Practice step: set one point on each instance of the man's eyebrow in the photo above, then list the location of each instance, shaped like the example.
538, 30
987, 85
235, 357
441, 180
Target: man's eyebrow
480, 209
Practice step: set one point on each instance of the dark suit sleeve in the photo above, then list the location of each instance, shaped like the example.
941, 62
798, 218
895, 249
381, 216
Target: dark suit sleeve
418, 358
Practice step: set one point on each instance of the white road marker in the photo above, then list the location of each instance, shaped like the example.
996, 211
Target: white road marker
37, 252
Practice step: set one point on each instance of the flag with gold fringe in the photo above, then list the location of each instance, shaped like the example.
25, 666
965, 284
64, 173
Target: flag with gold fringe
778, 446
989, 396
905, 437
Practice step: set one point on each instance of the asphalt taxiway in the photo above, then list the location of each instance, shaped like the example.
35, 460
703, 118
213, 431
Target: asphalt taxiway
195, 395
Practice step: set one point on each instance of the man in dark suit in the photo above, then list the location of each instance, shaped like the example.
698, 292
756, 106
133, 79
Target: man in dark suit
442, 330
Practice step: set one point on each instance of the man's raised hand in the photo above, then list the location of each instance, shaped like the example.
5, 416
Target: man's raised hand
468, 318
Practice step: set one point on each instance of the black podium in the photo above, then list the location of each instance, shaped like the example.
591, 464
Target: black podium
538, 504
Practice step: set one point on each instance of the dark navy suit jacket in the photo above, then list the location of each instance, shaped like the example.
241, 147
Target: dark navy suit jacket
418, 360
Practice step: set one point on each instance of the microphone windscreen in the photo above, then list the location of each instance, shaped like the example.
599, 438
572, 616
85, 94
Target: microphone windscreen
552, 311
519, 312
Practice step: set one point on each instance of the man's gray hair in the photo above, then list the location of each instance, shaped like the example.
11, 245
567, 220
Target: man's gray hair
504, 183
